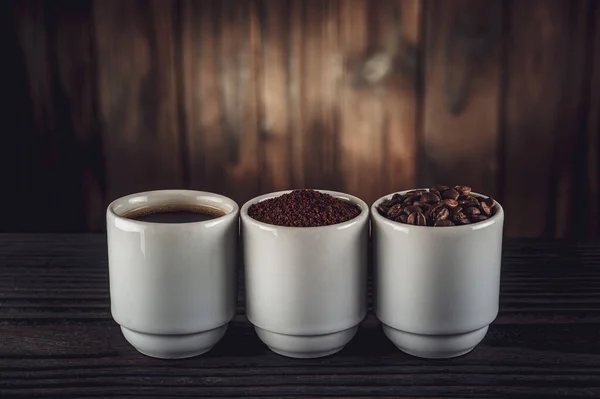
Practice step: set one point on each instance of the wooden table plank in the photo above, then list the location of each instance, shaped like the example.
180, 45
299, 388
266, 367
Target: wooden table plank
58, 340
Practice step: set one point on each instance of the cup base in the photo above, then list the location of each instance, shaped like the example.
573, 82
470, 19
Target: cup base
174, 346
306, 346
435, 346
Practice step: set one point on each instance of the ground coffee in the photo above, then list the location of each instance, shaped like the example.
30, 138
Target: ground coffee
303, 208
440, 206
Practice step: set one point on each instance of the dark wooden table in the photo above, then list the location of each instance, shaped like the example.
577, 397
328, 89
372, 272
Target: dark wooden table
57, 338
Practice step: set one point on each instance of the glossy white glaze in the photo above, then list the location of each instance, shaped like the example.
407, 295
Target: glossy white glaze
172, 285
306, 286
437, 288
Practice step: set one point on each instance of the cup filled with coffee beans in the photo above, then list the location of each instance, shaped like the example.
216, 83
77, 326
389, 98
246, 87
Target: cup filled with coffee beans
437, 255
172, 260
305, 261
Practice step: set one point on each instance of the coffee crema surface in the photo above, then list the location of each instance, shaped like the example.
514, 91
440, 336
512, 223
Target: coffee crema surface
174, 213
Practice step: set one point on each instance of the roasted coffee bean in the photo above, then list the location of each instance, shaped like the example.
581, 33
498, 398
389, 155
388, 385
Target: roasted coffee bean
402, 218
396, 199
471, 212
430, 198
439, 213
485, 209
450, 203
424, 206
469, 201
459, 218
409, 200
450, 194
412, 209
395, 211
382, 208
434, 208
443, 223
463, 190
439, 206
417, 218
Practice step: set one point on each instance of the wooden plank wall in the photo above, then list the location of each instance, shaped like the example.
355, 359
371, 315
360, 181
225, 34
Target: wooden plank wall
108, 97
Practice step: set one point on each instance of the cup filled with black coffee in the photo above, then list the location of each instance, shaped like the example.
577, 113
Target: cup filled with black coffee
437, 255
172, 260
305, 259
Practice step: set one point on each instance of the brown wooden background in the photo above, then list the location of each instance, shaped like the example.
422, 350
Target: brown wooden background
108, 97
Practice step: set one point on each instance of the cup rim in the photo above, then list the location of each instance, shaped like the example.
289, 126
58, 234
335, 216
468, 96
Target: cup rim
361, 218
110, 210
402, 226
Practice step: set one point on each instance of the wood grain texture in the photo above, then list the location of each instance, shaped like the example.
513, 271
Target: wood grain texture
317, 74
275, 127
221, 51
381, 47
137, 89
366, 63
19, 122
569, 187
462, 94
592, 145
108, 97
401, 27
58, 339
50, 156
72, 30
543, 121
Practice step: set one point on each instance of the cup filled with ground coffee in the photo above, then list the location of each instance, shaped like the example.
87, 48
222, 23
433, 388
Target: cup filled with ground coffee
305, 260
437, 255
172, 260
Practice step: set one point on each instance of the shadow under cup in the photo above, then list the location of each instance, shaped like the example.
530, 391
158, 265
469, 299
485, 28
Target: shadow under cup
172, 285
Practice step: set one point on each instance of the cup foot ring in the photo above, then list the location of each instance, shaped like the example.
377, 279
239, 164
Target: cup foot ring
435, 346
306, 346
306, 355
174, 346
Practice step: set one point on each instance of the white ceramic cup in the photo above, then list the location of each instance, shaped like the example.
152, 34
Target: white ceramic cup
172, 285
437, 288
306, 286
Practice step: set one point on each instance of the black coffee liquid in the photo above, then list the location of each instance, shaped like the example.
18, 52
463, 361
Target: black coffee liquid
174, 213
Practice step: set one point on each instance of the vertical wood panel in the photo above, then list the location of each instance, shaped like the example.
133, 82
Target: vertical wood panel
138, 94
295, 58
462, 90
27, 152
274, 91
58, 60
402, 37
567, 200
539, 40
22, 155
381, 45
220, 50
107, 97
76, 80
593, 128
362, 127
320, 74
400, 34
